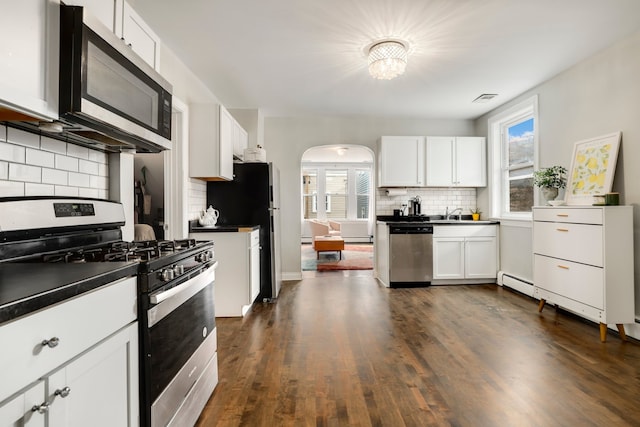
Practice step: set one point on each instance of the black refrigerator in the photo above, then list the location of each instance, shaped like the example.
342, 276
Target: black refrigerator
252, 198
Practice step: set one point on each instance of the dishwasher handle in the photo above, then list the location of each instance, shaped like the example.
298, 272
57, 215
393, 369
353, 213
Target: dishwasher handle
411, 229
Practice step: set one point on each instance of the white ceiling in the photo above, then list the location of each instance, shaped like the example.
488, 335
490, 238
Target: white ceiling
307, 56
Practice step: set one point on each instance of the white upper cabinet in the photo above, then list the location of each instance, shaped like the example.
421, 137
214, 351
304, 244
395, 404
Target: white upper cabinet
109, 12
139, 37
456, 161
29, 56
210, 142
119, 17
240, 141
401, 161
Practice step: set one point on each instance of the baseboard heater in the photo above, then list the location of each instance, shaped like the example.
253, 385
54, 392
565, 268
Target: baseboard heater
515, 283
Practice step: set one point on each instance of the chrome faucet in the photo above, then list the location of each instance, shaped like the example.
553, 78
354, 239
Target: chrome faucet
448, 214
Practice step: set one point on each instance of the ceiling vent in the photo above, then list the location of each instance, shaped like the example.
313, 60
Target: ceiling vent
485, 97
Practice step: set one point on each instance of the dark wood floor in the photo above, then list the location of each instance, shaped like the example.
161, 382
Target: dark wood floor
337, 349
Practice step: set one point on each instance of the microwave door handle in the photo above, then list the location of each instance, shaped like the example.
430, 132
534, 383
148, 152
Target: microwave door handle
162, 296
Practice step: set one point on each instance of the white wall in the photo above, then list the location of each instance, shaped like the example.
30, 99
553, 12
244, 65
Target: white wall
597, 96
287, 138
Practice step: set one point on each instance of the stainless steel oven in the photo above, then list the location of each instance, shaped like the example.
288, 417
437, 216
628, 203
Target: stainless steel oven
179, 345
176, 319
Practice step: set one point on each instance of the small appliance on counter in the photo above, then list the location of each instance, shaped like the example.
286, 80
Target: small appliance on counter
415, 205
255, 155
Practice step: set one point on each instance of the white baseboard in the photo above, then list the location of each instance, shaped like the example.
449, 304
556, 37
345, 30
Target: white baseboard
291, 275
516, 283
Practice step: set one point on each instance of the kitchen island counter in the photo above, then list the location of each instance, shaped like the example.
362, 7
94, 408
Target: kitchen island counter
27, 287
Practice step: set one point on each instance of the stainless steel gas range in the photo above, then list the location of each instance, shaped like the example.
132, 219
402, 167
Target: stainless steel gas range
177, 331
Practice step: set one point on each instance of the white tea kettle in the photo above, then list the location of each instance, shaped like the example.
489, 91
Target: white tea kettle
209, 218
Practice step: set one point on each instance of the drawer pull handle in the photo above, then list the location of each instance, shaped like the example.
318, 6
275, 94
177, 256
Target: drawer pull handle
52, 342
63, 393
564, 267
563, 229
563, 215
42, 408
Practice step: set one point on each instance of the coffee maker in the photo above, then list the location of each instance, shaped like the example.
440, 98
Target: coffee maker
415, 205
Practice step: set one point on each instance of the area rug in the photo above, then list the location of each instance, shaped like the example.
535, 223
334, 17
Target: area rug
354, 257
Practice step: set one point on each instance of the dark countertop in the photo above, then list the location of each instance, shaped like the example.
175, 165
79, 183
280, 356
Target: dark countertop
27, 287
409, 218
194, 227
391, 219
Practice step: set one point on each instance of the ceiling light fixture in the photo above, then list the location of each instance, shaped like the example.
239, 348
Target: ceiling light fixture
387, 59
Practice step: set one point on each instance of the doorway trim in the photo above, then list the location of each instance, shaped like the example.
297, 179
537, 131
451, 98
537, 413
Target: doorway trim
175, 167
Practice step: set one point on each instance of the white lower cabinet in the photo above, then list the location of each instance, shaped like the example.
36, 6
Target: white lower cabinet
97, 388
462, 252
27, 409
82, 356
448, 257
238, 274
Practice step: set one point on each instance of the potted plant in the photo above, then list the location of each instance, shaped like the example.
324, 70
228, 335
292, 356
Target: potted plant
475, 214
550, 180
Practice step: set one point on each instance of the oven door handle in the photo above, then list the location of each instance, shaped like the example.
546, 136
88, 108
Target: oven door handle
161, 296
171, 299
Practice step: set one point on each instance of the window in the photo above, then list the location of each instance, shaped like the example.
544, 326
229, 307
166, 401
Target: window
513, 140
310, 193
363, 184
336, 193
518, 164
346, 191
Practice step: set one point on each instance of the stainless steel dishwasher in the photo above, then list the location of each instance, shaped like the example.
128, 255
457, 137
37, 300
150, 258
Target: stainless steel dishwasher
411, 254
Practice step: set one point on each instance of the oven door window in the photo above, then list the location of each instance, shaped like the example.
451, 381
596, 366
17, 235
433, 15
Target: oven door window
117, 85
177, 336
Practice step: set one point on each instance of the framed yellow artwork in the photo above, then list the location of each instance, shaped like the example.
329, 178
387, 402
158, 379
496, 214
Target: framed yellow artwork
593, 165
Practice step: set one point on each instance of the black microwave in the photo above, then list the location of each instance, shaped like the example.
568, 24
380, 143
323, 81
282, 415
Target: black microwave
108, 93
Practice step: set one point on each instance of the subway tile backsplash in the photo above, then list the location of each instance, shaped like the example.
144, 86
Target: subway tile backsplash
434, 200
197, 198
31, 165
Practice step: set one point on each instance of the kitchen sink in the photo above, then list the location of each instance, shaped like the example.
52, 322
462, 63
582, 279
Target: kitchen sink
457, 221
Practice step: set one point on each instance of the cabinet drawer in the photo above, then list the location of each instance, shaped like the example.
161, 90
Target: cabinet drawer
575, 215
579, 282
78, 324
575, 242
464, 230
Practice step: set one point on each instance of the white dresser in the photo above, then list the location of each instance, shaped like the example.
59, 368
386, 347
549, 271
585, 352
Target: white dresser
583, 261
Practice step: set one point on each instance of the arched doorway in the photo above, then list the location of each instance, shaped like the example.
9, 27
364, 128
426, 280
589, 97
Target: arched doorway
337, 199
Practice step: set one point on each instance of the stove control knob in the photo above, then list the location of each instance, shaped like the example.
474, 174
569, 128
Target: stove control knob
167, 274
178, 269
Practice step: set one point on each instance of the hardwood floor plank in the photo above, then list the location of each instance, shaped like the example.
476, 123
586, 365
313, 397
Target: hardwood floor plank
337, 349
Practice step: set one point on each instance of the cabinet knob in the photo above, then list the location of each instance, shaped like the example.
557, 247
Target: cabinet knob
41, 409
63, 393
51, 342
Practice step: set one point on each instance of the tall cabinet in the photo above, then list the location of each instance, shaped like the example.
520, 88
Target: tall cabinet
583, 261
